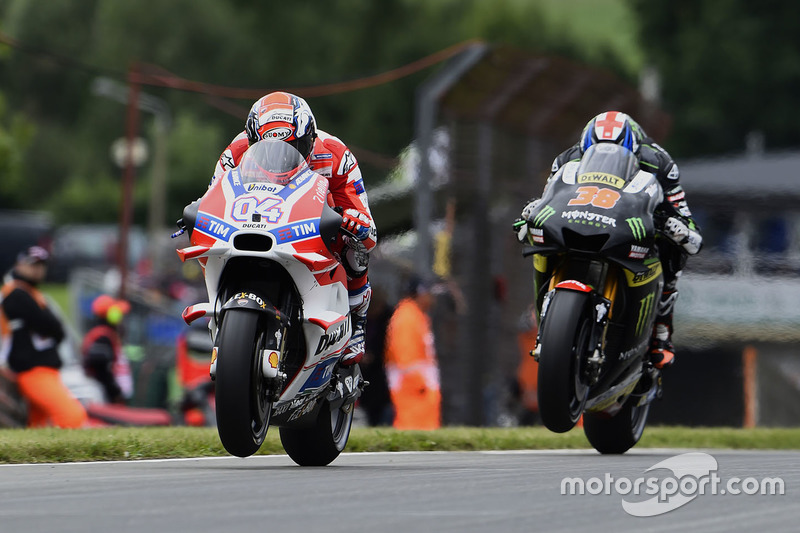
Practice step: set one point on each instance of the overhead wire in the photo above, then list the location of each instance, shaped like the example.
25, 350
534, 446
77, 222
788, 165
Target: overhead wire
218, 96
154, 75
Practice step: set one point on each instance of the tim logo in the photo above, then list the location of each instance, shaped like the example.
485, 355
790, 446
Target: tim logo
297, 231
214, 227
304, 230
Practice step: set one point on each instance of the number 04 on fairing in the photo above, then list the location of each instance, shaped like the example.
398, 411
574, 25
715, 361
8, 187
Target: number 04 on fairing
278, 306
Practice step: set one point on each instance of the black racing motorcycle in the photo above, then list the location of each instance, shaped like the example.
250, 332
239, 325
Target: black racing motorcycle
597, 279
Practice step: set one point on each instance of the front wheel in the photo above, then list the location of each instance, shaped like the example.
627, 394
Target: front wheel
619, 433
242, 407
565, 343
324, 441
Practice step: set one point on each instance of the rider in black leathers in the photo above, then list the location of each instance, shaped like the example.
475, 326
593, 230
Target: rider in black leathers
673, 217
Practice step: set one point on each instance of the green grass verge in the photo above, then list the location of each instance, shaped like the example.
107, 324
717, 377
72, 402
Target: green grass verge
54, 445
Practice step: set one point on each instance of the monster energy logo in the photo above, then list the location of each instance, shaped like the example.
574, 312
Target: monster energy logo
645, 308
543, 215
637, 228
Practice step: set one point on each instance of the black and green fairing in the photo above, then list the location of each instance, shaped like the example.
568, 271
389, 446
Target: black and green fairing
601, 207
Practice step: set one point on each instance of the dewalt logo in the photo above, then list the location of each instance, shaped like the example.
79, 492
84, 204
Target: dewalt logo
601, 177
645, 310
543, 215
637, 228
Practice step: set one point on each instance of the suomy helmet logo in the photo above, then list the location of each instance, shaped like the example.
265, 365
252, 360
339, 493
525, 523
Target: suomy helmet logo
279, 133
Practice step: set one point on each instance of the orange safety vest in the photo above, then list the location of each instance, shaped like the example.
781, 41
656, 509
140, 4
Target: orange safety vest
412, 369
5, 326
120, 367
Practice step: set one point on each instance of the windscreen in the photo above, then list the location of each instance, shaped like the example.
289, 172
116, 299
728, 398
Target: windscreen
609, 159
271, 161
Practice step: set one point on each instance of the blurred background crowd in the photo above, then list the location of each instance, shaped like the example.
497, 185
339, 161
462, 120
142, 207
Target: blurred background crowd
455, 109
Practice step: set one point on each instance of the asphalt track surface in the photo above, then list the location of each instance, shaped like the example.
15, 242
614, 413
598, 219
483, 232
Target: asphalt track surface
385, 492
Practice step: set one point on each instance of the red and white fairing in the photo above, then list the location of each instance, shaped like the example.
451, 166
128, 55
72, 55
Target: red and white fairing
287, 220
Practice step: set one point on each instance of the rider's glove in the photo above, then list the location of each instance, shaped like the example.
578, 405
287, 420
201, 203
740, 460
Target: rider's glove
527, 211
521, 224
356, 223
678, 232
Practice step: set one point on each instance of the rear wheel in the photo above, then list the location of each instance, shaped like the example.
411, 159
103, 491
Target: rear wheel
565, 344
320, 444
619, 433
242, 408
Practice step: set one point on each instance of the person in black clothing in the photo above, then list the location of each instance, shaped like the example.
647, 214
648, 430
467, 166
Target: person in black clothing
103, 358
31, 333
673, 216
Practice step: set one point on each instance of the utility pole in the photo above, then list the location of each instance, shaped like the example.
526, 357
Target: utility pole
136, 101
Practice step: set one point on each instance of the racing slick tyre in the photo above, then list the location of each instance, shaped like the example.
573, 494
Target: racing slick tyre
242, 408
320, 444
564, 347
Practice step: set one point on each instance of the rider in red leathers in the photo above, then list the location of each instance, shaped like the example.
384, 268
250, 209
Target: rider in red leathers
286, 117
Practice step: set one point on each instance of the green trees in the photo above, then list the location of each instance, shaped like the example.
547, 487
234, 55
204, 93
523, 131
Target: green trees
728, 67
63, 46
15, 135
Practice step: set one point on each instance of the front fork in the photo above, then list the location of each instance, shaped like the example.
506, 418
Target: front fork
601, 311
272, 353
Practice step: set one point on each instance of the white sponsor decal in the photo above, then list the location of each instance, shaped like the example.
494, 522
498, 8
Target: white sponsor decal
226, 160
674, 174
279, 133
263, 187
348, 163
633, 351
638, 252
588, 216
278, 116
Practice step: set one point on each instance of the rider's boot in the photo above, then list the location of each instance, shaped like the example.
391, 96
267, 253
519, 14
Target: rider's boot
359, 303
662, 352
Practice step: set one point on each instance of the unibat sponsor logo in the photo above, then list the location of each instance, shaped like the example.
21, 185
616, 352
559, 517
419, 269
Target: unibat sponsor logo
262, 187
